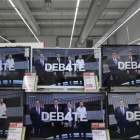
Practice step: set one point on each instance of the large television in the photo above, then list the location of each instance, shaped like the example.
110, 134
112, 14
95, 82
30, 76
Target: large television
120, 65
124, 115
11, 109
62, 67
14, 62
91, 105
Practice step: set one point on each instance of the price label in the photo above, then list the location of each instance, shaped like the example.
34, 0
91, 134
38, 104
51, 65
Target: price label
99, 135
15, 131
90, 84
29, 82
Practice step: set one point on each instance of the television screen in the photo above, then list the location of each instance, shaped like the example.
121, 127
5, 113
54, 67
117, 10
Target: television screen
64, 66
63, 115
11, 109
14, 62
120, 65
124, 115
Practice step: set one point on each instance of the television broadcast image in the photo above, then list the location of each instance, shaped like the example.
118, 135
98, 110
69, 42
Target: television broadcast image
64, 66
14, 62
124, 115
63, 116
11, 109
120, 65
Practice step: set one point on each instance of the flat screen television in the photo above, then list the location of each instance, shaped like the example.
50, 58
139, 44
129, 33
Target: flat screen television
66, 125
124, 115
64, 67
11, 109
14, 62
120, 65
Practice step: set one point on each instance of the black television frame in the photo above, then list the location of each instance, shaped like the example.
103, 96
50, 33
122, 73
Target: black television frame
102, 93
29, 64
99, 69
23, 100
109, 86
107, 119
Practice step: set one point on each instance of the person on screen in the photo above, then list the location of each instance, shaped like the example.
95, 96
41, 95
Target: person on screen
131, 72
58, 74
137, 108
70, 124
10, 66
35, 116
3, 115
114, 71
40, 69
1, 69
82, 124
120, 116
56, 125
79, 62
69, 63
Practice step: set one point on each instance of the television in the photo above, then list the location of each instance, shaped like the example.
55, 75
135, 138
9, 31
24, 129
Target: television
57, 114
120, 65
124, 115
14, 62
64, 67
11, 109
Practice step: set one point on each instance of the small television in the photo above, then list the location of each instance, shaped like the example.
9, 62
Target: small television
123, 115
11, 110
14, 62
120, 65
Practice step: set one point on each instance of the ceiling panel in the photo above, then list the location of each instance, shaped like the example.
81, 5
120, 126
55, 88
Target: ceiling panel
120, 4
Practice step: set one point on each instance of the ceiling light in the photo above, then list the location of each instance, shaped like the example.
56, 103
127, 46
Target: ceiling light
134, 41
75, 17
23, 20
5, 39
47, 6
98, 44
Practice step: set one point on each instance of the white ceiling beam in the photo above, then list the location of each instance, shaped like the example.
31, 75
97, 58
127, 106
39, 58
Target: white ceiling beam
56, 22
63, 12
71, 0
21, 4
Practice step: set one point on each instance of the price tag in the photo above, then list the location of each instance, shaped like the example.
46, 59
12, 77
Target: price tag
90, 84
99, 135
29, 82
15, 131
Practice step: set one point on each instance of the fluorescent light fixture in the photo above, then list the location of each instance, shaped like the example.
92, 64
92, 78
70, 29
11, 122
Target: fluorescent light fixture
118, 28
5, 39
134, 41
75, 17
23, 20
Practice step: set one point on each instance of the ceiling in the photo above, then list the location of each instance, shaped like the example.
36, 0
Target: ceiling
62, 14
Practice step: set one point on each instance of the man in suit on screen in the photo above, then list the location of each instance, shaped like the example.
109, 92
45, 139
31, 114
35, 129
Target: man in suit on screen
56, 125
69, 123
58, 74
114, 71
120, 116
137, 108
69, 63
131, 72
40, 69
35, 116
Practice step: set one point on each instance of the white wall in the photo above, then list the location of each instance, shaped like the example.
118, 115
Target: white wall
49, 35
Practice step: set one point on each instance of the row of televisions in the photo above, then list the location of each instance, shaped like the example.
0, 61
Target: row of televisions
114, 67
115, 109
